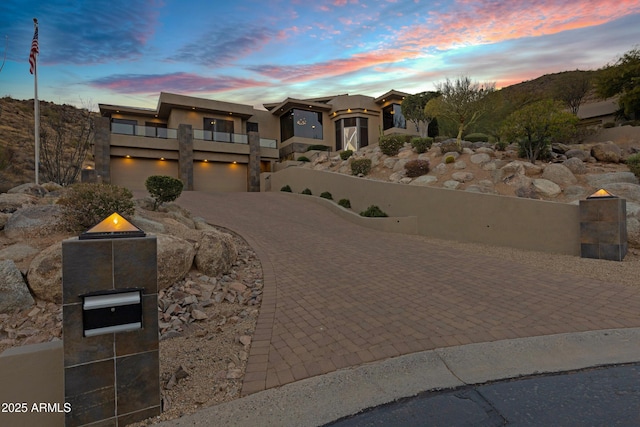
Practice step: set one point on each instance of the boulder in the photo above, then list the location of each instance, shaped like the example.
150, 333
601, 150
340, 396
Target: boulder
517, 180
29, 188
575, 165
606, 152
462, 176
396, 176
216, 253
559, 148
441, 169
148, 225
405, 153
575, 192
451, 184
530, 169
3, 219
424, 180
45, 274
175, 258
546, 188
485, 150
10, 203
559, 174
610, 178
453, 154
577, 154
480, 158
460, 164
18, 252
14, 293
513, 168
527, 192
33, 221
399, 166
389, 162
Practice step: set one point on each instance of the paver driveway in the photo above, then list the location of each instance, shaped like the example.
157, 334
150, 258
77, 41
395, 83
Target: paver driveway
338, 295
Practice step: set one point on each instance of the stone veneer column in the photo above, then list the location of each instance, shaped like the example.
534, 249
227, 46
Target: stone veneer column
253, 183
113, 378
185, 159
102, 149
603, 228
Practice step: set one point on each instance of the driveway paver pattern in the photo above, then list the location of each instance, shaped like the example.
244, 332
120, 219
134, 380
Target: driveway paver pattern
339, 295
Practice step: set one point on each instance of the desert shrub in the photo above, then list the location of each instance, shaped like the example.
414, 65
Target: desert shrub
501, 145
421, 145
633, 162
609, 125
326, 195
319, 147
449, 159
345, 203
303, 159
286, 189
477, 137
85, 205
344, 155
163, 188
373, 211
361, 166
631, 123
391, 144
306, 191
416, 168
450, 146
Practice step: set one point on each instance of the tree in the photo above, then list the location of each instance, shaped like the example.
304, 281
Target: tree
65, 137
535, 126
413, 110
622, 78
571, 88
461, 101
163, 188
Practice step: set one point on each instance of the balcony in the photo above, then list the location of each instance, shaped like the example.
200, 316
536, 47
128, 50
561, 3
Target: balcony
199, 134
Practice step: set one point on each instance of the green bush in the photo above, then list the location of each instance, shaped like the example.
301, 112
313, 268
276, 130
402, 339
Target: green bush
345, 203
344, 155
163, 189
416, 168
306, 191
501, 145
319, 147
373, 211
361, 166
421, 145
326, 195
286, 189
85, 205
609, 125
449, 147
477, 137
449, 159
391, 144
633, 162
303, 159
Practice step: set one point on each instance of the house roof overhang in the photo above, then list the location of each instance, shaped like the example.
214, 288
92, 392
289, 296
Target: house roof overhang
392, 95
304, 104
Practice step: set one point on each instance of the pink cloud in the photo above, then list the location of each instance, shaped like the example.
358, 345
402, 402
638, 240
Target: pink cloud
476, 22
174, 82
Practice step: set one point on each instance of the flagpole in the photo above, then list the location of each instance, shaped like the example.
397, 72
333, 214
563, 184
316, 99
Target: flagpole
36, 109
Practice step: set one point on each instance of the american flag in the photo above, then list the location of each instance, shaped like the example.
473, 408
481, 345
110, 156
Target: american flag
34, 51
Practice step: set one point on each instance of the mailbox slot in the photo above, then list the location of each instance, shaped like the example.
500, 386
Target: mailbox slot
111, 311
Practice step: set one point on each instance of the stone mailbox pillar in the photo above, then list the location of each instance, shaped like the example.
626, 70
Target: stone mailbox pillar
110, 325
603, 227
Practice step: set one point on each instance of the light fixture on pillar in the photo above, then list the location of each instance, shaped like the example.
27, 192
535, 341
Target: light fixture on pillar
602, 194
112, 226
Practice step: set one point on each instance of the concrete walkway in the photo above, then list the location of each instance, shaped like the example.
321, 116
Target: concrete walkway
337, 295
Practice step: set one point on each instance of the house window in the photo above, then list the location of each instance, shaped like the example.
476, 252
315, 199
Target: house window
123, 126
392, 117
352, 133
252, 127
302, 123
155, 130
218, 129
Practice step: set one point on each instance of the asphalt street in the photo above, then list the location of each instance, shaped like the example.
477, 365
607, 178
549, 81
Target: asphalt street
608, 396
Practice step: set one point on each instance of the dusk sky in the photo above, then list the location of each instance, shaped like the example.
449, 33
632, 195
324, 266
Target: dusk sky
125, 52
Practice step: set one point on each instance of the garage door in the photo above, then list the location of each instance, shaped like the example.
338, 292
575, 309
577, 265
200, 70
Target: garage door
217, 176
132, 173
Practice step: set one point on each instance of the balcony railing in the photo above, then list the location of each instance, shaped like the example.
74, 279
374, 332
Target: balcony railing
205, 135
149, 131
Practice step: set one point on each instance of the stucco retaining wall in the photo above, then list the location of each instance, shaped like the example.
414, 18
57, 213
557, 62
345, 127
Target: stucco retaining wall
451, 214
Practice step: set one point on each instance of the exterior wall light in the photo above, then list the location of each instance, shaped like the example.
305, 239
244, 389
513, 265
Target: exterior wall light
602, 194
112, 226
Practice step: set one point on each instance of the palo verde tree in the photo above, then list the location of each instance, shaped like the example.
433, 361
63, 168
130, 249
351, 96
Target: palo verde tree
462, 101
622, 78
413, 110
571, 88
535, 126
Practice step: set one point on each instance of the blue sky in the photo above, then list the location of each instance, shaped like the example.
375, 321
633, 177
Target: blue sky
125, 52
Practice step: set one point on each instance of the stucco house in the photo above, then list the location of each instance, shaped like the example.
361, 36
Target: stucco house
214, 145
